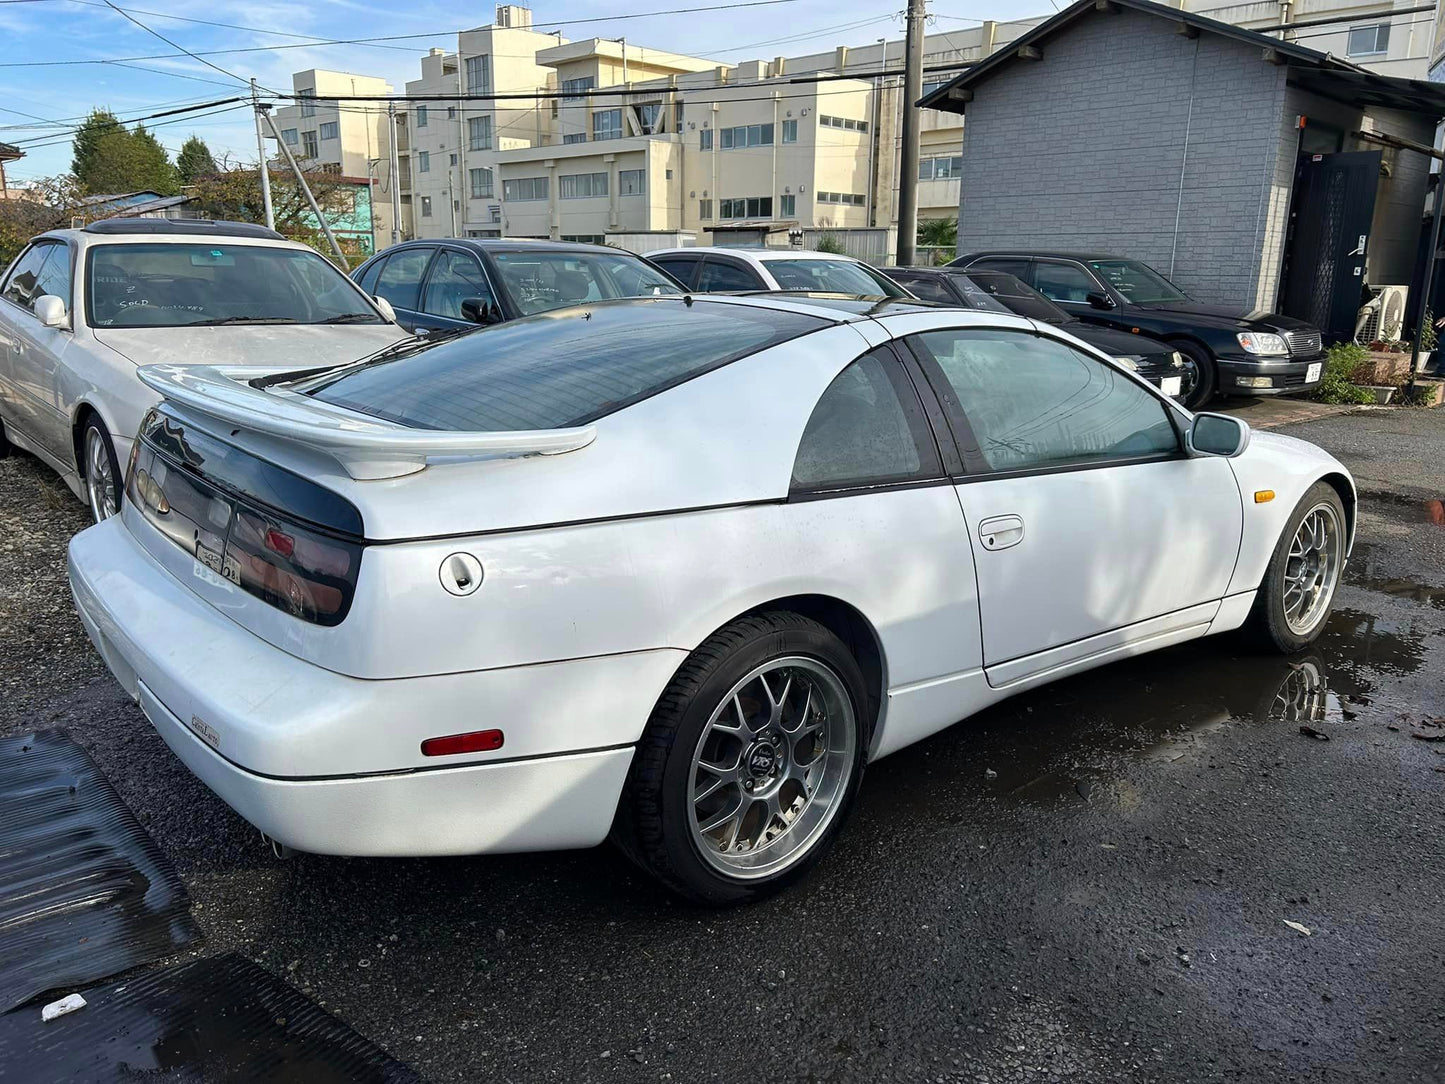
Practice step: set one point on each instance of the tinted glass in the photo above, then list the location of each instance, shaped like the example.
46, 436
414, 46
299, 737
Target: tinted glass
1063, 281
719, 276
367, 279
217, 282
1010, 295
930, 289
538, 281
20, 286
1007, 264
455, 277
557, 369
679, 267
400, 278
1136, 281
832, 276
54, 277
861, 432
1034, 402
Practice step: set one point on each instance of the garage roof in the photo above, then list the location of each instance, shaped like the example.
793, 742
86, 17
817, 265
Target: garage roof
1317, 71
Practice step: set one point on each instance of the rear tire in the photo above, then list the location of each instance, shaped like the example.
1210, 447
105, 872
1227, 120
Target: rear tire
1295, 599
1206, 379
750, 762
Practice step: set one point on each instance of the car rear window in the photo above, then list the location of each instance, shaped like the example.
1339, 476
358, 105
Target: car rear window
560, 368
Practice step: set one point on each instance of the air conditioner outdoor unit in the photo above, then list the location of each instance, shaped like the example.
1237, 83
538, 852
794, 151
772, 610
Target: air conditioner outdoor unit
1383, 317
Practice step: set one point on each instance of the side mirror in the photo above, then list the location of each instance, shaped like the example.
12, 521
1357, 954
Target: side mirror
386, 310
50, 311
1217, 434
480, 311
1100, 300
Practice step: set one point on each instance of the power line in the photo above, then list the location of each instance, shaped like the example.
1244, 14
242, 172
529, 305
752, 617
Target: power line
60, 141
173, 44
150, 116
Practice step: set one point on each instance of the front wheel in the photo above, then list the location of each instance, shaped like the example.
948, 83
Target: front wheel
1201, 379
749, 763
102, 472
1299, 586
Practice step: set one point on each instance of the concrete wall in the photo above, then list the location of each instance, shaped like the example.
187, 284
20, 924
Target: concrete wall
1123, 131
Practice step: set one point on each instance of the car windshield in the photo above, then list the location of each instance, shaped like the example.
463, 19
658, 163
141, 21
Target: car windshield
538, 281
1138, 282
558, 369
221, 282
832, 276
1013, 295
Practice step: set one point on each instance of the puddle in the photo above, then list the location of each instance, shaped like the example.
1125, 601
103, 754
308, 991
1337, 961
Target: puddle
1406, 509
1361, 572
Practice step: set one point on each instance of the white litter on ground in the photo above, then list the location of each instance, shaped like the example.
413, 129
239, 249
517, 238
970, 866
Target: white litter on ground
1297, 927
61, 1007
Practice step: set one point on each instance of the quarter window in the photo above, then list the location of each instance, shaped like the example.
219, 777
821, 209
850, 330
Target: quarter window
866, 430
1063, 281
1035, 402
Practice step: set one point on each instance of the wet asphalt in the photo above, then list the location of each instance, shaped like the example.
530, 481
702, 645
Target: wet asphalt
1091, 882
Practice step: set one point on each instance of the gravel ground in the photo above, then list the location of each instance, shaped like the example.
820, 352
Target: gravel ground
1090, 882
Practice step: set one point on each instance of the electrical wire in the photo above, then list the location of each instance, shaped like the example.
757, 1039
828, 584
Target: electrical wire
173, 44
62, 140
150, 116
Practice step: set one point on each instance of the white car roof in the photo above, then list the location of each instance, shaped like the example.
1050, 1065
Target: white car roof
755, 255
83, 239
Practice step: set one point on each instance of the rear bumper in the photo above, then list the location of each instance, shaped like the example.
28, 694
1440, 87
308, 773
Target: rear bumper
1286, 377
331, 764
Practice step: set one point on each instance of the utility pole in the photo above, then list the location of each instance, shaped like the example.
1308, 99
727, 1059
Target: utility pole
908, 156
395, 177
306, 190
261, 158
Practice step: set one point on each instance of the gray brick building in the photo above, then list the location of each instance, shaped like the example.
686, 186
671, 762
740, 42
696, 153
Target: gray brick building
1138, 129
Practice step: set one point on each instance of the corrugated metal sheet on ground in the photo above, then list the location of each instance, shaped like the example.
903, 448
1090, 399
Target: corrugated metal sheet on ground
223, 1018
84, 891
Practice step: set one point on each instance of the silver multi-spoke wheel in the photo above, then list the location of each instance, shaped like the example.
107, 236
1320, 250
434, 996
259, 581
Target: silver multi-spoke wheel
1312, 568
772, 766
101, 484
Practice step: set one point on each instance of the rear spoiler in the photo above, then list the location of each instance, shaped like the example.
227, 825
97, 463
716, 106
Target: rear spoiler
365, 447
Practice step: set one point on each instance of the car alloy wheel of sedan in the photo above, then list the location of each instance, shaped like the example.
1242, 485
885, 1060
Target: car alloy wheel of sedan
101, 476
770, 766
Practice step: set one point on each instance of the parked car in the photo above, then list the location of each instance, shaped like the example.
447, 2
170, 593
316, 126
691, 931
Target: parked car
742, 270
635, 566
995, 291
1234, 352
458, 284
80, 309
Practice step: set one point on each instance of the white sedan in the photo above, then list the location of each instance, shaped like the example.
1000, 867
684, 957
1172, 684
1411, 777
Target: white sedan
670, 568
81, 309
733, 270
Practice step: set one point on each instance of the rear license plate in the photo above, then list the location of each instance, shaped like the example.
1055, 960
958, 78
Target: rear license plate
1171, 385
1314, 372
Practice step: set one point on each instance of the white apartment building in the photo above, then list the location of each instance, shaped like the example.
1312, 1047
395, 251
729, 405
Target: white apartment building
350, 138
1373, 36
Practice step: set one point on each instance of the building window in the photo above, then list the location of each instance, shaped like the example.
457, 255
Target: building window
426, 206
479, 75
574, 137
607, 124
581, 185
648, 117
846, 123
308, 144
752, 207
790, 131
577, 88
940, 169
308, 102
629, 182
677, 115
328, 129
525, 188
747, 135
451, 159
669, 174
788, 206
929, 86
421, 116
479, 133
1369, 40
290, 136
481, 183
585, 238
848, 199
704, 208
495, 213
423, 161
704, 140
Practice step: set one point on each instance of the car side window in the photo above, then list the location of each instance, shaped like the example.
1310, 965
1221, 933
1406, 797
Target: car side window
867, 429
681, 268
400, 280
930, 289
20, 287
455, 277
1009, 265
54, 276
1034, 402
367, 281
1063, 281
721, 275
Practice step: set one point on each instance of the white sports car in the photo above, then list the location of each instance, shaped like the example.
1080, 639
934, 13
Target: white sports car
669, 568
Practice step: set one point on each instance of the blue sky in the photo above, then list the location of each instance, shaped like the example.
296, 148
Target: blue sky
37, 102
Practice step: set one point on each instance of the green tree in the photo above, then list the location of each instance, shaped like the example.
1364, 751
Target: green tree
100, 123
938, 232
153, 168
108, 158
195, 160
234, 195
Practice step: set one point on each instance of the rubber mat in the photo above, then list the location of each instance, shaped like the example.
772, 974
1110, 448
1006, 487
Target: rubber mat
223, 1018
84, 892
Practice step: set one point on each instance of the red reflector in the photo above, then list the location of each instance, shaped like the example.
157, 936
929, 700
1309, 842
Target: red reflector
278, 542
478, 741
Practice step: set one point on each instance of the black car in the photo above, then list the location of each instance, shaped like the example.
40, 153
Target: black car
457, 284
995, 291
1237, 353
